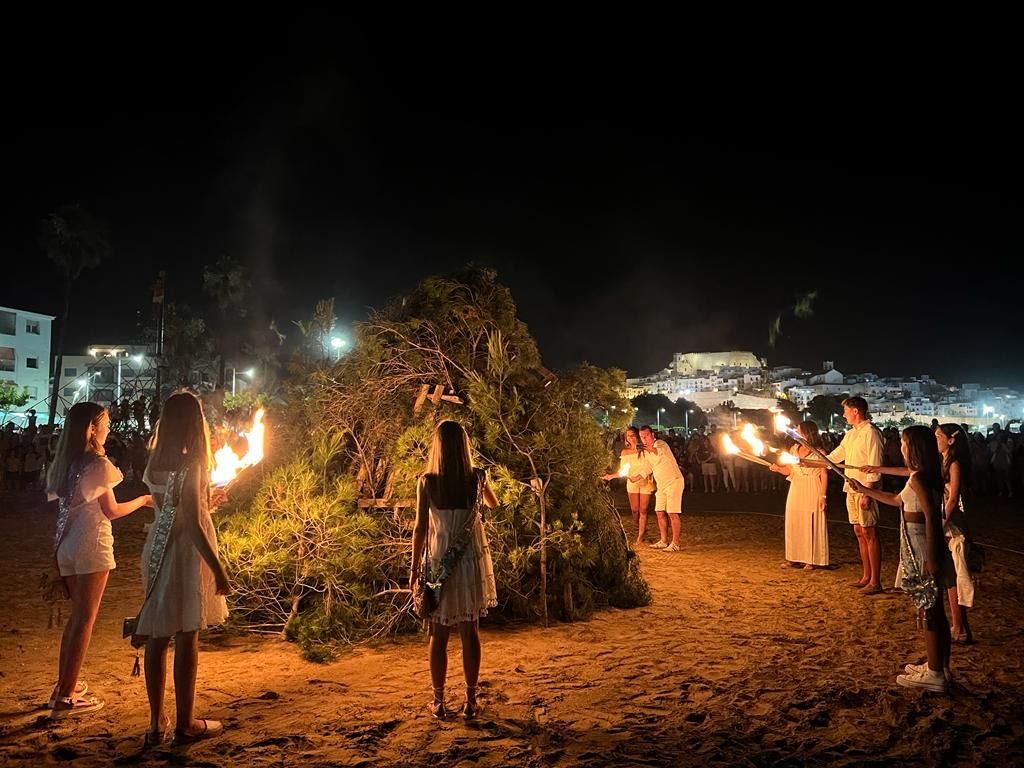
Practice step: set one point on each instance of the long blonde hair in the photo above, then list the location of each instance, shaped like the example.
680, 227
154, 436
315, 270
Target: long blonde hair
450, 475
74, 443
181, 431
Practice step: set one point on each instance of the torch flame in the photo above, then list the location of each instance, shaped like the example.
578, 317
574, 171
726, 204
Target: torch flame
781, 422
756, 446
729, 445
788, 458
625, 470
227, 464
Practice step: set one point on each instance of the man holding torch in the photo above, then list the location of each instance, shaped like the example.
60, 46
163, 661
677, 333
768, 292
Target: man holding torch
668, 498
862, 446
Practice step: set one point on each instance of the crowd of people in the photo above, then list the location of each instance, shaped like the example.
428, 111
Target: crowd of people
929, 473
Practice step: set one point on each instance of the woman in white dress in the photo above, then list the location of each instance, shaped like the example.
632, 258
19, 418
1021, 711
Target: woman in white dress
184, 580
806, 526
83, 480
639, 480
450, 497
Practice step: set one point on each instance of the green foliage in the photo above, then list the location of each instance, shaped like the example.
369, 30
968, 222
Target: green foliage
10, 397
246, 401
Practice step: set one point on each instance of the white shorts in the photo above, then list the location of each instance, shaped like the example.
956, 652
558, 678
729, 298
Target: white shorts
669, 497
964, 580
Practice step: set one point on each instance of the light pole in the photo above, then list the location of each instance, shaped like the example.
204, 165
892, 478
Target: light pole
248, 373
658, 417
337, 342
688, 412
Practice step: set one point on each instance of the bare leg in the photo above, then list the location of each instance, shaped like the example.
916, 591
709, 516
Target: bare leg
954, 611
156, 681
643, 501
676, 528
438, 650
874, 550
186, 662
936, 637
86, 593
865, 562
662, 525
469, 634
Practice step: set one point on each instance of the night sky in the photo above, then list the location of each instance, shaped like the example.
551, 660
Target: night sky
636, 205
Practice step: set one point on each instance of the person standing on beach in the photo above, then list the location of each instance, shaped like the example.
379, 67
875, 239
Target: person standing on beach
862, 445
668, 498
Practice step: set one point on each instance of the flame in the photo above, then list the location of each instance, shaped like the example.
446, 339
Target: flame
788, 458
781, 422
729, 445
756, 446
227, 464
625, 470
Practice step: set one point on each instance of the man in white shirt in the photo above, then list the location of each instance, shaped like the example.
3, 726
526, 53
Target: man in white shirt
862, 446
668, 499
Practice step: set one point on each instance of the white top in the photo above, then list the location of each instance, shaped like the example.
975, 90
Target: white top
663, 463
861, 445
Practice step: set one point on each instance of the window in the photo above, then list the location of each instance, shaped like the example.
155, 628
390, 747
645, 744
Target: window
31, 362
7, 359
69, 391
8, 323
33, 392
32, 326
70, 373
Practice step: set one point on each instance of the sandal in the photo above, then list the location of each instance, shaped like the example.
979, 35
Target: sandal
211, 728
471, 709
437, 708
71, 706
81, 688
156, 738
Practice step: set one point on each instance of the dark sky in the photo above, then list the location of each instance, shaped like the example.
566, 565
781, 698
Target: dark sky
636, 205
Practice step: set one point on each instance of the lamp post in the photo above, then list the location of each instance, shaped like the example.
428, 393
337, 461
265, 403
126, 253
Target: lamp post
248, 373
658, 417
687, 416
337, 342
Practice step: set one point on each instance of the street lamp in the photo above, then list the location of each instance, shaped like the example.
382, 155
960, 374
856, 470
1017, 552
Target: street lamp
687, 416
337, 342
658, 417
250, 373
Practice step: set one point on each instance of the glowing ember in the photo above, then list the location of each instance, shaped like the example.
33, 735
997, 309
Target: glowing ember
748, 434
227, 464
624, 471
788, 458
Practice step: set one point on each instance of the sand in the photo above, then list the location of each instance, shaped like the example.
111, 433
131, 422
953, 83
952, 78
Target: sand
736, 662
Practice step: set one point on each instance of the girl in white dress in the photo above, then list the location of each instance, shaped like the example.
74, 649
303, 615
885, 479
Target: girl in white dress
83, 480
806, 526
639, 480
956, 473
184, 580
449, 518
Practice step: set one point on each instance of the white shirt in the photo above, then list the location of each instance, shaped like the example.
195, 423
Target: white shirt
663, 463
861, 446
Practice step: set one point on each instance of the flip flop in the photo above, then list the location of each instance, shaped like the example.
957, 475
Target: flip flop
70, 706
868, 589
81, 688
211, 728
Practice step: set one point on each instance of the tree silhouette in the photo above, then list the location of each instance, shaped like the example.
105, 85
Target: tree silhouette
73, 240
227, 283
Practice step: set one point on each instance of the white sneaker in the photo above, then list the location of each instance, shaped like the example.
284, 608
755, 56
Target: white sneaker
659, 545
915, 669
671, 548
930, 681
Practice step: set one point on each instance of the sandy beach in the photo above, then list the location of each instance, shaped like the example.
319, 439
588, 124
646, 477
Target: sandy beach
737, 661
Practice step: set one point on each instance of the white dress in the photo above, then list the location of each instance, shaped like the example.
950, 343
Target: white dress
806, 526
87, 542
184, 595
639, 464
469, 591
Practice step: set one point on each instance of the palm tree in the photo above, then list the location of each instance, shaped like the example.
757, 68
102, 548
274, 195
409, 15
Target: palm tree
227, 283
73, 240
